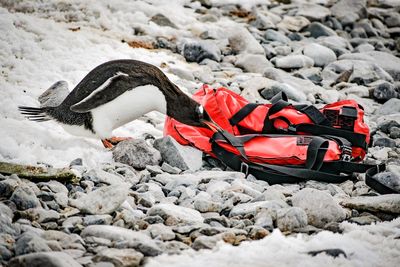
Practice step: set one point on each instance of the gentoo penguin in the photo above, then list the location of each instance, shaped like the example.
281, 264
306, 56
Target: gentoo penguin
116, 93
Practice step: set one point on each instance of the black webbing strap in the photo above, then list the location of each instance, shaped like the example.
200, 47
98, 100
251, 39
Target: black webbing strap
314, 114
275, 108
242, 113
355, 139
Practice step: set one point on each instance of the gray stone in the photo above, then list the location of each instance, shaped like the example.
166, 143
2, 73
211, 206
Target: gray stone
130, 238
288, 219
384, 91
388, 62
317, 29
162, 20
48, 259
97, 219
361, 72
252, 63
136, 153
8, 185
196, 51
175, 214
203, 205
29, 242
319, 206
6, 216
272, 35
385, 203
24, 198
55, 95
391, 106
338, 44
294, 62
291, 92
321, 55
294, 24
348, 12
119, 257
5, 254
252, 208
168, 168
365, 219
241, 41
161, 232
313, 12
183, 157
384, 142
104, 200
264, 219
181, 73
41, 215
262, 22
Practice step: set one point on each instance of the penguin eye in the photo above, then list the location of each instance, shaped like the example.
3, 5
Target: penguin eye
200, 111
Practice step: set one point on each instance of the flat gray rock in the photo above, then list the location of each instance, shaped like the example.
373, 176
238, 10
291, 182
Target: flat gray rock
319, 206
252, 63
349, 11
24, 198
41, 259
253, 208
177, 155
385, 203
288, 219
104, 200
176, 213
241, 41
313, 12
119, 257
321, 55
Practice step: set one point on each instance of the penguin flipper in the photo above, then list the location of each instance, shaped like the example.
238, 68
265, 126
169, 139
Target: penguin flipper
111, 89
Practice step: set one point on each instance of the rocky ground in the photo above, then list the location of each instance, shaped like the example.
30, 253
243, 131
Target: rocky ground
158, 197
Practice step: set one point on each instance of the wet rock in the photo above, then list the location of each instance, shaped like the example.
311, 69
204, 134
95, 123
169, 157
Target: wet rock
321, 55
50, 259
313, 12
391, 106
252, 63
128, 238
293, 24
252, 208
24, 198
241, 41
349, 11
196, 51
288, 219
384, 91
175, 214
272, 35
183, 157
162, 20
53, 96
29, 243
104, 200
319, 206
294, 62
119, 257
136, 153
386, 203
317, 29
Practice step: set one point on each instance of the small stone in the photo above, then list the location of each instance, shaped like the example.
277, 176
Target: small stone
119, 257
29, 243
183, 157
317, 29
384, 91
313, 12
207, 206
257, 233
252, 208
365, 219
389, 179
241, 41
161, 232
321, 55
41, 215
55, 95
104, 200
294, 24
288, 219
24, 198
136, 153
394, 132
8, 185
348, 12
392, 106
162, 20
196, 51
168, 168
384, 142
51, 259
252, 63
385, 203
97, 219
319, 206
272, 35
294, 62
175, 213
6, 216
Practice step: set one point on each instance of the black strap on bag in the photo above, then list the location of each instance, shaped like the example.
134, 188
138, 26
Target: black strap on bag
314, 169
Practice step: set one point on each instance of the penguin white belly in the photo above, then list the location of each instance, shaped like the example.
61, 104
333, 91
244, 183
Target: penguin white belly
127, 107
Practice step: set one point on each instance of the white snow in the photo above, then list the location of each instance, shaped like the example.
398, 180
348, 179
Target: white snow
372, 245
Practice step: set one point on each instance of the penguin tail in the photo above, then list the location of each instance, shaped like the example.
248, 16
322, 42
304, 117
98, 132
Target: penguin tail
36, 114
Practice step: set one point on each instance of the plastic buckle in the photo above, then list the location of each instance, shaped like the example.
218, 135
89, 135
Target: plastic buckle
346, 153
244, 168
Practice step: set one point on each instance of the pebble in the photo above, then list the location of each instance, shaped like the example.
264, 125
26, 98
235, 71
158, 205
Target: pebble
317, 30
385, 203
241, 41
119, 257
24, 198
294, 62
104, 200
59, 259
288, 219
320, 207
321, 55
252, 208
272, 35
173, 214
196, 51
252, 63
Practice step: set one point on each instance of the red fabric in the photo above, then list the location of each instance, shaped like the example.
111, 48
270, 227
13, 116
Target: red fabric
221, 104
